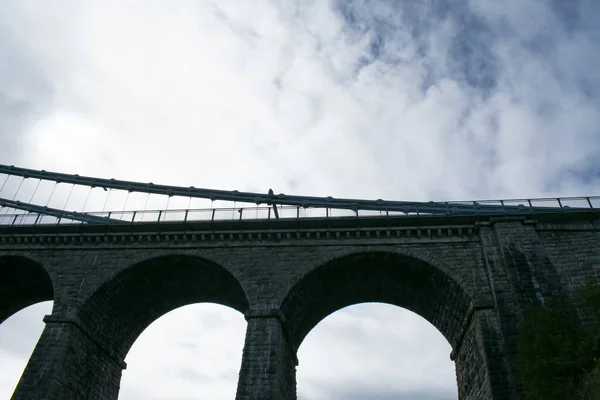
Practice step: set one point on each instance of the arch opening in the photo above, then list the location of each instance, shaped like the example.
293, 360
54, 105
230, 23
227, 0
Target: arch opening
23, 282
382, 277
19, 335
375, 351
191, 352
26, 295
126, 305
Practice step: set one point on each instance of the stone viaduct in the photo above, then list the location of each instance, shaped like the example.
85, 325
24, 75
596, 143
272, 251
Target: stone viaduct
471, 277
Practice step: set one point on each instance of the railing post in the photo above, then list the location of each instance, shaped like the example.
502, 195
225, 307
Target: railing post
531, 206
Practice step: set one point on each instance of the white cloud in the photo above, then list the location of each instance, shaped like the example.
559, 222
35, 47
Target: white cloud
372, 347
373, 100
191, 352
18, 336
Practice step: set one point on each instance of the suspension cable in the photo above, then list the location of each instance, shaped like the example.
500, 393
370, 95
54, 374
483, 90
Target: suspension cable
19, 188
68, 197
35, 190
51, 193
146, 204
125, 205
106, 201
87, 198
4, 183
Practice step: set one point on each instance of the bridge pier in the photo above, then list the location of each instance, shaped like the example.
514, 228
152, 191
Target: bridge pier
268, 370
521, 274
68, 363
481, 370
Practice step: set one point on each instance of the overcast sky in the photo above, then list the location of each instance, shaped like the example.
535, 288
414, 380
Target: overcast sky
404, 100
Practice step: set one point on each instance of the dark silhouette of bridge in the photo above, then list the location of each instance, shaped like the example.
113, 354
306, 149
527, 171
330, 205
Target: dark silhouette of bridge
286, 262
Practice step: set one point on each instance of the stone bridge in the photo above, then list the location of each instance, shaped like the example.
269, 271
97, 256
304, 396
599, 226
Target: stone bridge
470, 277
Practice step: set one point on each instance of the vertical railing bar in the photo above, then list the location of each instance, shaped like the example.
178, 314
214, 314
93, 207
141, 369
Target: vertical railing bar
559, 202
589, 202
530, 205
133, 216
241, 211
212, 218
269, 214
185, 217
159, 215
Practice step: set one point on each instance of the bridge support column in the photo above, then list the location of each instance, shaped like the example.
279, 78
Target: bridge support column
269, 362
481, 369
521, 273
68, 363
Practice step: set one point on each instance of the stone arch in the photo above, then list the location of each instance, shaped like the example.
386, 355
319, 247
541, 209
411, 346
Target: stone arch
121, 309
23, 282
423, 286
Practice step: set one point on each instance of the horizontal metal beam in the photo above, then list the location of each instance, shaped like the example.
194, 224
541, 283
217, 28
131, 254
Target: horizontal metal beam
54, 212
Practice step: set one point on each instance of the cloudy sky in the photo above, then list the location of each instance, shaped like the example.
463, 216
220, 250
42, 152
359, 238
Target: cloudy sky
404, 100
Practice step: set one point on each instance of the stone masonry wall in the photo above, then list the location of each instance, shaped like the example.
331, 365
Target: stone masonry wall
470, 281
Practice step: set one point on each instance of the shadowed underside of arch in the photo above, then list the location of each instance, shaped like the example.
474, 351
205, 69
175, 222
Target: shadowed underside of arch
376, 277
122, 308
23, 282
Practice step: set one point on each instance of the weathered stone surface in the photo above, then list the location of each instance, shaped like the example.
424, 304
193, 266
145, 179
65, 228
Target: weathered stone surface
471, 281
